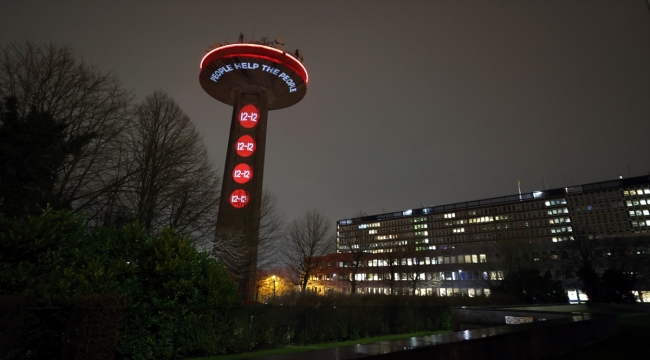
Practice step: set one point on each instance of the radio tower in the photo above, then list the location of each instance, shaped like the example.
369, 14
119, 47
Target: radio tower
253, 78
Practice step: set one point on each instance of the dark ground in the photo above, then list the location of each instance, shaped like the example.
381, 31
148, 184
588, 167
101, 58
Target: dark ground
632, 342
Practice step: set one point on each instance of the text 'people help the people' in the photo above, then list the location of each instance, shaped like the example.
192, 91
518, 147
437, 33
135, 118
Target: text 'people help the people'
254, 66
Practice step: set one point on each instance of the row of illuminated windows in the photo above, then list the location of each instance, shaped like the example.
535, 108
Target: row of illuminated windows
561, 238
365, 226
640, 213
429, 276
636, 202
429, 260
463, 292
558, 211
394, 249
560, 230
559, 220
483, 227
640, 224
526, 206
636, 192
629, 203
425, 291
483, 219
555, 202
480, 233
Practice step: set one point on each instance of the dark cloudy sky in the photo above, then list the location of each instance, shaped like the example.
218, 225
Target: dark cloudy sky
408, 103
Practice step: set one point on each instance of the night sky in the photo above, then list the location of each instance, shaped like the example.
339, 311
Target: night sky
408, 102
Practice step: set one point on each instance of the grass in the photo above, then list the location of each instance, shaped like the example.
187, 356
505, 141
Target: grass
295, 349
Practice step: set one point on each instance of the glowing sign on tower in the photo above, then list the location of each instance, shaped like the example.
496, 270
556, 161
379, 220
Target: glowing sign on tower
252, 78
248, 116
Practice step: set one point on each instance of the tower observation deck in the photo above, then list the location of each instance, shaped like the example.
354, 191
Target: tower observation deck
253, 78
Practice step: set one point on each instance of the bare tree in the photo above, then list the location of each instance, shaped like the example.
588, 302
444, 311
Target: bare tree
355, 256
272, 226
413, 265
174, 185
48, 79
307, 238
233, 248
390, 257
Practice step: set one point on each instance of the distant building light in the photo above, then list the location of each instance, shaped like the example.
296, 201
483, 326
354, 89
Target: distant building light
538, 194
407, 212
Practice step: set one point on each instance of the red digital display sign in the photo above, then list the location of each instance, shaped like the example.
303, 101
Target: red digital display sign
249, 115
242, 173
245, 146
239, 198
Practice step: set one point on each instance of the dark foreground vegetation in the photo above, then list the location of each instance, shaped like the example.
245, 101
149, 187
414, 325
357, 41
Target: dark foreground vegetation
70, 293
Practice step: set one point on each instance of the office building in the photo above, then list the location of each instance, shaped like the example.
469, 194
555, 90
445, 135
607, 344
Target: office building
459, 248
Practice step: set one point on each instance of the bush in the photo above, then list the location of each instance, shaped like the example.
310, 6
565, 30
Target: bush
93, 328
53, 262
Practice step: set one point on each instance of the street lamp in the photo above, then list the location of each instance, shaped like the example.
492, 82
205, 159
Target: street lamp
273, 277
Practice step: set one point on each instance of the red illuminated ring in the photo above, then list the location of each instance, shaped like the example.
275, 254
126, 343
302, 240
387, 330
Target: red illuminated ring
249, 116
245, 146
242, 173
258, 51
239, 198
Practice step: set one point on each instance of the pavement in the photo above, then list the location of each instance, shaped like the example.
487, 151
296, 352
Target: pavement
393, 346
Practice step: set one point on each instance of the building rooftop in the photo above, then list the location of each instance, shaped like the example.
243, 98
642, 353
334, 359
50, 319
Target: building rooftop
541, 194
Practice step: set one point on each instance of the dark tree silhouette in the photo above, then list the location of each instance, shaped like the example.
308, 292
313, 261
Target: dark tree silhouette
33, 149
529, 286
307, 238
92, 105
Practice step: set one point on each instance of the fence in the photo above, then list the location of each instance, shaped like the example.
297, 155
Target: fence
173, 333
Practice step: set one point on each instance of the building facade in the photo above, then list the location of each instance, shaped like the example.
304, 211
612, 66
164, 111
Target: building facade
459, 248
